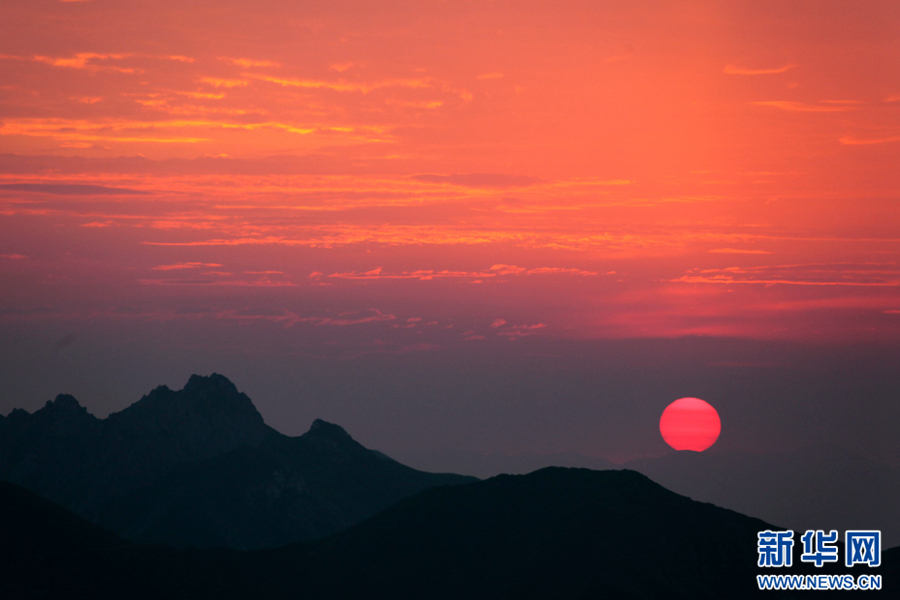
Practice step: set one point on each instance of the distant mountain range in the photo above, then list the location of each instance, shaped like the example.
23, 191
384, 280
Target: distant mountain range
554, 534
814, 488
821, 488
198, 467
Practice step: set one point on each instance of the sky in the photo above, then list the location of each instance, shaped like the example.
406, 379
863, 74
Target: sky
495, 226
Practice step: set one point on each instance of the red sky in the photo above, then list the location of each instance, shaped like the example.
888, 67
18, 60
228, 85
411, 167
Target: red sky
429, 173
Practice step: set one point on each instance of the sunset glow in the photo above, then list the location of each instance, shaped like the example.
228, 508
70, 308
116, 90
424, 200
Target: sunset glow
407, 177
667, 172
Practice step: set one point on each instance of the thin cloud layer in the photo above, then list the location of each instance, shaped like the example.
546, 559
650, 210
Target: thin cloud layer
593, 169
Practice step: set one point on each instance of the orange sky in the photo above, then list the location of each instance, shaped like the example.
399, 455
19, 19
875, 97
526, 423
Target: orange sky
498, 169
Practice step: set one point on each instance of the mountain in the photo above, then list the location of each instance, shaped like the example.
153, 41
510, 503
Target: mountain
553, 534
199, 467
41, 540
484, 466
814, 487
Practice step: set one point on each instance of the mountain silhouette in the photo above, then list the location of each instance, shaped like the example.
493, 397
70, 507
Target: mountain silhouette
815, 487
199, 467
553, 534
811, 488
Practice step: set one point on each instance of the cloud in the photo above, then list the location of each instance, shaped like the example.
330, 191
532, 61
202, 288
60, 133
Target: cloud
736, 251
148, 131
372, 315
815, 274
852, 141
260, 283
249, 62
560, 271
188, 265
522, 330
13, 256
498, 323
735, 70
225, 83
99, 224
805, 107
489, 76
345, 86
480, 179
71, 189
426, 275
86, 61
121, 131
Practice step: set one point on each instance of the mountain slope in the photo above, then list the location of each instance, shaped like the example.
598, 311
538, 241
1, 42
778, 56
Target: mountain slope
810, 488
566, 534
199, 467
40, 540
280, 491
555, 533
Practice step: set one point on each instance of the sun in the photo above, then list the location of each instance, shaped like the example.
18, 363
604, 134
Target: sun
690, 424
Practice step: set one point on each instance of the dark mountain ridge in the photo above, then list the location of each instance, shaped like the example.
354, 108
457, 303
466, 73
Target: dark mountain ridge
553, 534
199, 467
814, 487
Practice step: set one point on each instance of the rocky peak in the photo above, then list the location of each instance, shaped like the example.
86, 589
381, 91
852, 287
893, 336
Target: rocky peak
64, 402
209, 416
215, 383
213, 397
63, 412
322, 428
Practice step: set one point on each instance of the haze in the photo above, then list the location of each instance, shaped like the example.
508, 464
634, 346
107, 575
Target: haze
500, 227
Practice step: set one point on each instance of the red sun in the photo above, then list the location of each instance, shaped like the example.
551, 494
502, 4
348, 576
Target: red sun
690, 424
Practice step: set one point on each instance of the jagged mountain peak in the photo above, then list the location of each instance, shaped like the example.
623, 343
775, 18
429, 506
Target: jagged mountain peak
213, 397
65, 412
64, 402
208, 417
210, 384
325, 429
198, 466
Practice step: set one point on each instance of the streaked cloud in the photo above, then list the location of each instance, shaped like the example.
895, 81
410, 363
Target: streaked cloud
343, 86
224, 83
805, 107
428, 274
71, 189
824, 274
736, 251
189, 265
480, 179
351, 164
248, 63
88, 61
853, 141
735, 70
